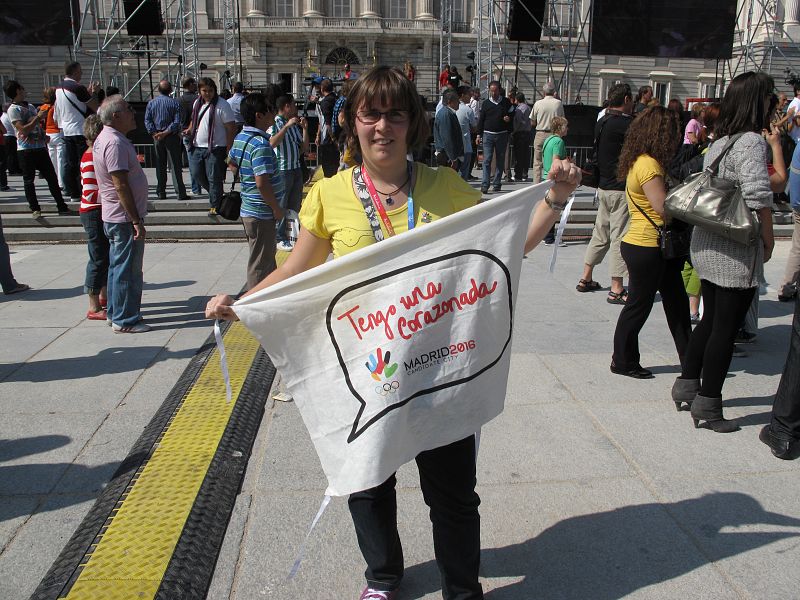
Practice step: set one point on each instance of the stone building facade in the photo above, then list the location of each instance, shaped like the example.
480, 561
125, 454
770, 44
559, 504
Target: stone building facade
289, 40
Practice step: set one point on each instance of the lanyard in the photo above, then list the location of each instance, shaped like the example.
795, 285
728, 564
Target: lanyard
376, 201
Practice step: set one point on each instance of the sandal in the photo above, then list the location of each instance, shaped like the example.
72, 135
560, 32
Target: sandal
615, 298
587, 286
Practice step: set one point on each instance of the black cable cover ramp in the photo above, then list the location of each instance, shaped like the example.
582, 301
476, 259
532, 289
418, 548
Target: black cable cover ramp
157, 528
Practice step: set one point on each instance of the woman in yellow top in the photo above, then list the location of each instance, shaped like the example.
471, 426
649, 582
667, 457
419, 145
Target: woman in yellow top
384, 119
650, 143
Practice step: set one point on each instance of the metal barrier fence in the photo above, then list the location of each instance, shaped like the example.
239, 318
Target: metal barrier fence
579, 154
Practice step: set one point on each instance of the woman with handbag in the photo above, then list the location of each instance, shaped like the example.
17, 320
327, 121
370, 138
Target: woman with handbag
360, 206
728, 268
653, 264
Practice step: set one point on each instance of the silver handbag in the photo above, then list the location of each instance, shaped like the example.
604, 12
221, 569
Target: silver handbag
714, 204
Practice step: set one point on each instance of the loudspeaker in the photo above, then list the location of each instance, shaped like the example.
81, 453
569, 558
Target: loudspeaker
146, 20
522, 20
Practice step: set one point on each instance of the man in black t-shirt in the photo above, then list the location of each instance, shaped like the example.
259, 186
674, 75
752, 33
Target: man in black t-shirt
327, 150
612, 213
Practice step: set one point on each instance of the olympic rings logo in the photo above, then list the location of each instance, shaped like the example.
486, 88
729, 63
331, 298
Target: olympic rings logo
387, 388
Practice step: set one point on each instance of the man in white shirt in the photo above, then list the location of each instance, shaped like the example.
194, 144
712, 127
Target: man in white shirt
541, 116
211, 132
73, 102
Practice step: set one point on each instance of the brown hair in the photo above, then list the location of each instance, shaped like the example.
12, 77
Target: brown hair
697, 110
49, 95
711, 116
387, 86
656, 131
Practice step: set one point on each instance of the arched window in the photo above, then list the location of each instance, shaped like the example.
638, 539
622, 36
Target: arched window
341, 56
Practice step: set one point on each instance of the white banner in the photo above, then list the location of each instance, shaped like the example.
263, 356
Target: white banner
403, 346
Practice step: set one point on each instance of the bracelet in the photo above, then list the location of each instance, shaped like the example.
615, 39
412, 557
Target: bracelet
553, 205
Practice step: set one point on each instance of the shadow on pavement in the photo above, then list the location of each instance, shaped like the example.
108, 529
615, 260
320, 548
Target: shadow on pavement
107, 361
167, 285
612, 554
44, 294
14, 449
20, 483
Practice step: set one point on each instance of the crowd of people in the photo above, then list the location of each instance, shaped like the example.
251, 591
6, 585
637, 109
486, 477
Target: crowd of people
367, 138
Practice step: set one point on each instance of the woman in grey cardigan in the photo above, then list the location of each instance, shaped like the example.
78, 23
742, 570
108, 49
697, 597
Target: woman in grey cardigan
729, 270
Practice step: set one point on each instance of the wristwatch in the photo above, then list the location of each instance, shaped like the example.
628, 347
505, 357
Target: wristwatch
549, 201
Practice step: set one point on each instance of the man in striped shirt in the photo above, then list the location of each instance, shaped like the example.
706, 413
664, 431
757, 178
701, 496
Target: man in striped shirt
162, 118
262, 187
289, 138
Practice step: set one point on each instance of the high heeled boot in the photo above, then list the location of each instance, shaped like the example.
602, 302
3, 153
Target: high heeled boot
707, 413
683, 392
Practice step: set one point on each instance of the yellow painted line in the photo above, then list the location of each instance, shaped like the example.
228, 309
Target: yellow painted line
131, 557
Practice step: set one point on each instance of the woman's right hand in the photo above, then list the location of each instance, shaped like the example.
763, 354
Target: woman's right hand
220, 307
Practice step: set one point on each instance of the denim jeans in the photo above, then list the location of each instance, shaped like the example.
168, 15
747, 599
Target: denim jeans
466, 166
97, 267
7, 280
494, 142
125, 276
208, 170
187, 146
447, 479
293, 195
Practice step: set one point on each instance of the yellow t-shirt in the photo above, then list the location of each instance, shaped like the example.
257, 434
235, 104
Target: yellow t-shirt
332, 210
641, 231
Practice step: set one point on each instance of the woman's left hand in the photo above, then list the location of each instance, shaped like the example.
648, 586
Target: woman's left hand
567, 177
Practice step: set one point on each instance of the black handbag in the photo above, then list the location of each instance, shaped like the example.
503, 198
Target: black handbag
674, 239
230, 205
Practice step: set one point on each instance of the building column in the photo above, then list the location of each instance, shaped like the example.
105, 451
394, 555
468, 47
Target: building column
370, 8
202, 15
791, 22
425, 9
312, 8
258, 8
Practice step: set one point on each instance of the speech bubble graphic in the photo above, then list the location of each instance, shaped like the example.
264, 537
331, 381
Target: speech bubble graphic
420, 329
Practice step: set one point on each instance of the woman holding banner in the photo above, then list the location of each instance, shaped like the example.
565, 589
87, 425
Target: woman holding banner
387, 195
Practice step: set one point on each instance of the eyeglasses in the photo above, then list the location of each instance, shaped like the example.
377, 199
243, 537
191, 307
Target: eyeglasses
370, 117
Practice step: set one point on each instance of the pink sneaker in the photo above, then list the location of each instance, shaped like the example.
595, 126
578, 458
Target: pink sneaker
371, 594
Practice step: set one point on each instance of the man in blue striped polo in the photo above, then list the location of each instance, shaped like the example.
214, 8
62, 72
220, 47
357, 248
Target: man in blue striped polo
289, 139
262, 186
162, 118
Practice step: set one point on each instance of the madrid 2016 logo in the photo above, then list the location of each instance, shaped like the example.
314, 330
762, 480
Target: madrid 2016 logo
380, 366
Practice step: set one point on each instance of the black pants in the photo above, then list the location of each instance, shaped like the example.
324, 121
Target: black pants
649, 273
521, 142
12, 162
3, 167
169, 148
74, 147
328, 159
39, 160
447, 478
711, 344
786, 408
